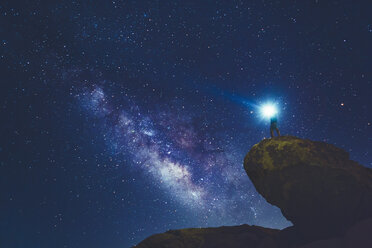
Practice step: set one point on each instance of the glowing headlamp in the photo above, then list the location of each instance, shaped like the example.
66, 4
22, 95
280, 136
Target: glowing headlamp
268, 110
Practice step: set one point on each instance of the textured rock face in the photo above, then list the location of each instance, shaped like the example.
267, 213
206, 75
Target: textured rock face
221, 237
315, 184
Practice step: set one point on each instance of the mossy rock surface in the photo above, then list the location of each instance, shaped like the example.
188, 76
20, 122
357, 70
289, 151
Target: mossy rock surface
315, 184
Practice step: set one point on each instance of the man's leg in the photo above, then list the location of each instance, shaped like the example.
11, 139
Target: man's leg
272, 132
277, 130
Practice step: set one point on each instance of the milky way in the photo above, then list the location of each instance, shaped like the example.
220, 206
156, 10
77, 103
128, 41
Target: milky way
135, 133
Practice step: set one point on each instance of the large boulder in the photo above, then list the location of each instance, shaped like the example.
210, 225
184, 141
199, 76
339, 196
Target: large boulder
221, 237
315, 184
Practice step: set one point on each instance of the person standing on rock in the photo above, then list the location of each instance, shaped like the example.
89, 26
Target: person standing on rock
274, 125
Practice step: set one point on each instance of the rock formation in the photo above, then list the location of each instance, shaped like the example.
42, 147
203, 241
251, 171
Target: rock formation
327, 197
315, 184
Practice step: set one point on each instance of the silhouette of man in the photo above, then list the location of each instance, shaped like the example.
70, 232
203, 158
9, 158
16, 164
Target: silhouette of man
274, 126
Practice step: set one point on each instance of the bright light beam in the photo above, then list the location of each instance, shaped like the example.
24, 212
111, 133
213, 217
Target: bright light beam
268, 110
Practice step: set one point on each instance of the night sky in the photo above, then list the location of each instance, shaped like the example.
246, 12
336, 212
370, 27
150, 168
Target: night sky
122, 119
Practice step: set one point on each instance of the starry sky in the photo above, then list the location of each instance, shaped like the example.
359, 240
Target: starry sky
122, 119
